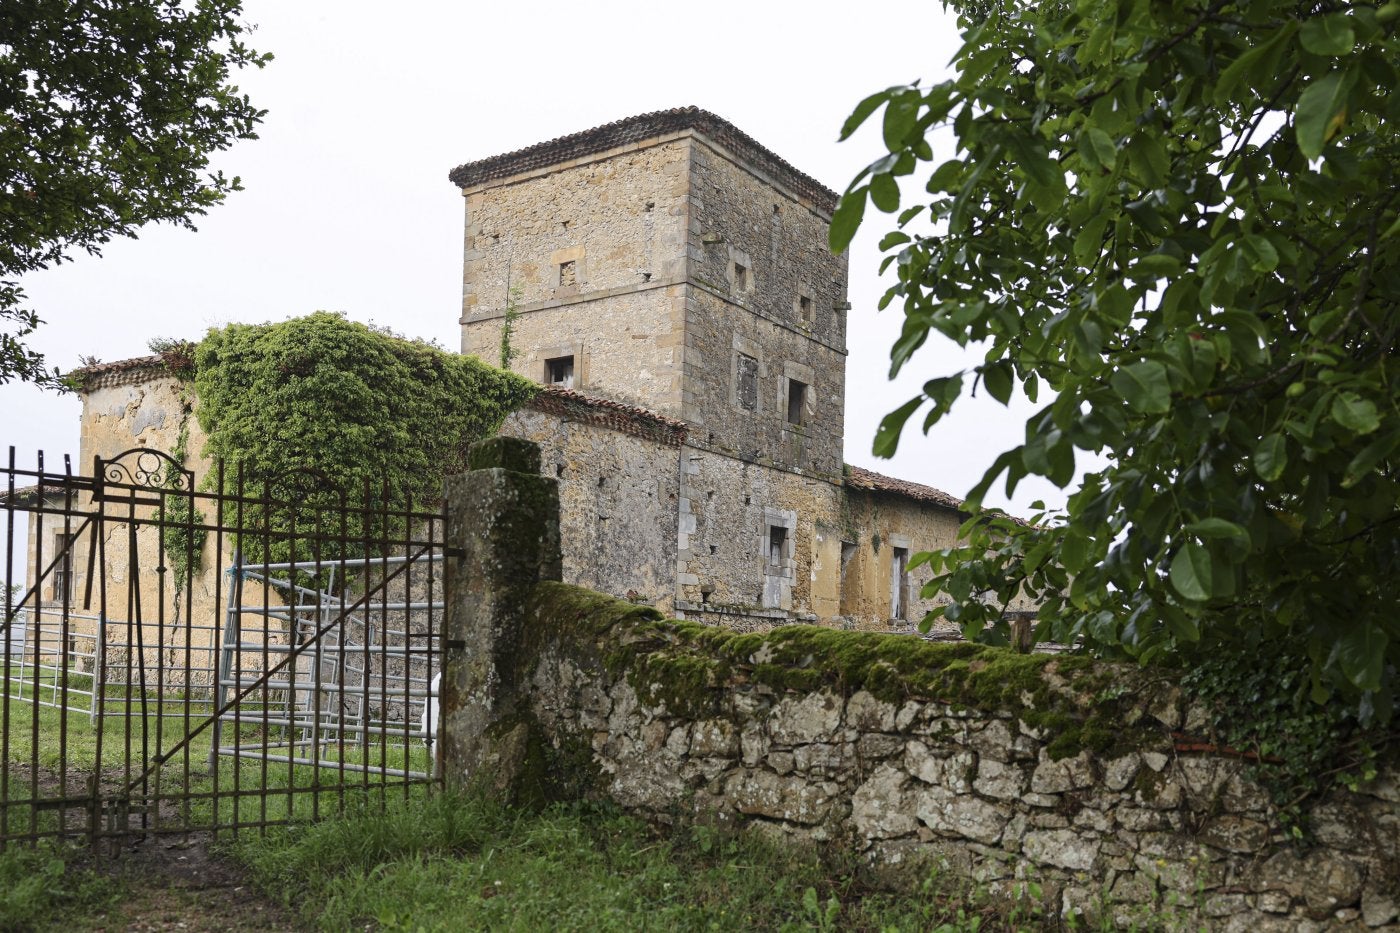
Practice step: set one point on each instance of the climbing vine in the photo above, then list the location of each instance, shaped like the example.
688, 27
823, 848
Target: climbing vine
183, 534
319, 407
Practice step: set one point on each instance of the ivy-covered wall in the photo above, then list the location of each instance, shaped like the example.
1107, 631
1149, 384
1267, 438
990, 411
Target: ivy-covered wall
1078, 774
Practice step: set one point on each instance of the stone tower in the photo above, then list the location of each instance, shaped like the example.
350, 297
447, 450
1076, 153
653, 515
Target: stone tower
671, 262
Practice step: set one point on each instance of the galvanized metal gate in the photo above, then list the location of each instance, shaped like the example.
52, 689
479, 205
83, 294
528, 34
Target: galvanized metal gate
214, 655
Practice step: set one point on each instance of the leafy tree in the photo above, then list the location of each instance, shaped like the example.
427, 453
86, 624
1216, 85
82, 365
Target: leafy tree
109, 110
1181, 220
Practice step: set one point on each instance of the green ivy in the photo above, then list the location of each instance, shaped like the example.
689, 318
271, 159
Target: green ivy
1298, 749
318, 406
184, 536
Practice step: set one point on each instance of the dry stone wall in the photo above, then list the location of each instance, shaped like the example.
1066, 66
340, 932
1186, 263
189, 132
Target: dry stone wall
1000, 766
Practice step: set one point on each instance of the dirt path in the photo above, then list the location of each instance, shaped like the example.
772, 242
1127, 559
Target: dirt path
176, 884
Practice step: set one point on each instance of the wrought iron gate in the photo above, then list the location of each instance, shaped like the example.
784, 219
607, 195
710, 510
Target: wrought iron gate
184, 656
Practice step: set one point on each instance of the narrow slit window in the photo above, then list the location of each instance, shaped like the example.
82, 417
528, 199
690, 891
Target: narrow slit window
568, 274
804, 307
560, 372
899, 583
777, 541
796, 402
741, 277
63, 571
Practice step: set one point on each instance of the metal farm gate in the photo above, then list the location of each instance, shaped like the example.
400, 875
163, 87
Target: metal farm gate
182, 656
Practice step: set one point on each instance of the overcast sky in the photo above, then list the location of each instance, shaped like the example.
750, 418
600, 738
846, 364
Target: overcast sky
348, 206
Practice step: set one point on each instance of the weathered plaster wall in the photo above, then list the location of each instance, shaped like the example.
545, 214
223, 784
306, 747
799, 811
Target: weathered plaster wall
1004, 766
618, 220
617, 496
879, 524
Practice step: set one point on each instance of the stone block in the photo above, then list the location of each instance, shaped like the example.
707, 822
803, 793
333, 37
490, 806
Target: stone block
812, 718
952, 771
793, 799
960, 814
880, 807
1062, 848
1056, 777
999, 780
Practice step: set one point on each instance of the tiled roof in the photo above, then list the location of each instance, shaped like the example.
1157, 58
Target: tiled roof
858, 478
590, 409
120, 372
634, 130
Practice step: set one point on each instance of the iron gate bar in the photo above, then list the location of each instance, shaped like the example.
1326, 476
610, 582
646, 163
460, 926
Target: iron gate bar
262, 681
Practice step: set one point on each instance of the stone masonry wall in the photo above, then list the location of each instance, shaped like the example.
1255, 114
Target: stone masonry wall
592, 253
618, 504
1001, 766
785, 309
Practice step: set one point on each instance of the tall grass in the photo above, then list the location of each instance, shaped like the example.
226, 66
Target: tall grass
454, 863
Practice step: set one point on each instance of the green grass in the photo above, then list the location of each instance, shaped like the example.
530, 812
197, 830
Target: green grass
449, 863
249, 790
40, 890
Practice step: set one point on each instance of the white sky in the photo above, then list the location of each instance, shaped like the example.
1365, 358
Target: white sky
348, 206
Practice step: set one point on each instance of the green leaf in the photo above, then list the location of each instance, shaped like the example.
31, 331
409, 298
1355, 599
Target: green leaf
1361, 653
1369, 458
1144, 386
862, 112
1190, 573
892, 425
1329, 35
846, 219
1270, 457
1098, 148
1219, 528
997, 377
1355, 413
884, 193
1314, 118
1260, 253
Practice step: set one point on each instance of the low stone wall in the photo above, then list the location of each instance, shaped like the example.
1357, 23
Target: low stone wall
1003, 766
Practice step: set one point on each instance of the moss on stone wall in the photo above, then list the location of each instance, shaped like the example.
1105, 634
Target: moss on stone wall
686, 665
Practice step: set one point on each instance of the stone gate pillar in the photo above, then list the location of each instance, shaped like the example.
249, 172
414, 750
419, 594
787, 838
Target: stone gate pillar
502, 539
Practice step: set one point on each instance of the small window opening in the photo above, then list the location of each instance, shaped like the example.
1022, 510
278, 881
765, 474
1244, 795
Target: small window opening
848, 553
899, 583
741, 277
602, 481
567, 274
797, 402
748, 500
646, 276
804, 307
651, 204
63, 572
748, 382
714, 549
777, 540
560, 372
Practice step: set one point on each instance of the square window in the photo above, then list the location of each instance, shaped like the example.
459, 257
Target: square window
559, 372
747, 389
796, 402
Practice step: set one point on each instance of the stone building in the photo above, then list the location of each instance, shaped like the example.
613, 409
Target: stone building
668, 280
670, 263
